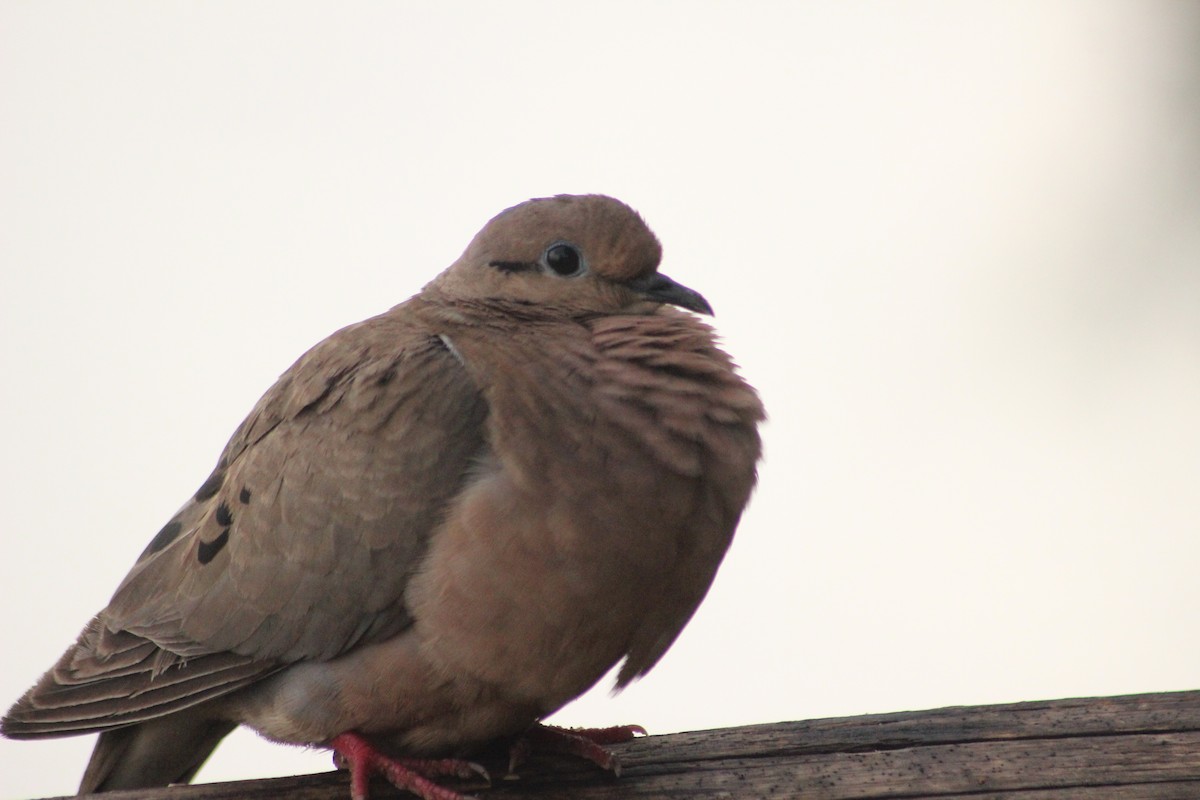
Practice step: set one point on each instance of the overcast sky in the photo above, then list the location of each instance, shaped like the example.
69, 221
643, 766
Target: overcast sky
955, 245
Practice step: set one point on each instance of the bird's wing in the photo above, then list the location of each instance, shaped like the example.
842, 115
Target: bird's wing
298, 547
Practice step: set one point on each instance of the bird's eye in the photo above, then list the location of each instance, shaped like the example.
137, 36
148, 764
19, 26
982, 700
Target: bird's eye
563, 259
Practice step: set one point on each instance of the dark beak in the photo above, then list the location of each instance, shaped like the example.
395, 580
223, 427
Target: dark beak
661, 289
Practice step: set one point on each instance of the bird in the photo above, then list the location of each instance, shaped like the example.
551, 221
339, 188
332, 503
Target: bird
439, 526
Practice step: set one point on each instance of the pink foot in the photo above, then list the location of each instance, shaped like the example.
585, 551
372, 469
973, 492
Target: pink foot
409, 774
587, 743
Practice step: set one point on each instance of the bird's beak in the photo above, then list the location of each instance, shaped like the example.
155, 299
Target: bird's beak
661, 289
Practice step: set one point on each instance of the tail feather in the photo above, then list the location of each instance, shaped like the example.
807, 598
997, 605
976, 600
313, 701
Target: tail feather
152, 754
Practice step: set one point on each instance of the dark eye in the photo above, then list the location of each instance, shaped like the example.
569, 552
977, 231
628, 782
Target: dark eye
564, 259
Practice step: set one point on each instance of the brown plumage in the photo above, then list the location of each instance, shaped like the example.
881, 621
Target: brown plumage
440, 524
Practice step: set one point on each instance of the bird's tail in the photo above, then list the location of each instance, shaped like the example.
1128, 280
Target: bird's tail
150, 754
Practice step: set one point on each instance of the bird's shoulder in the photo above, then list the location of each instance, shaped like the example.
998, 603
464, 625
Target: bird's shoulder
300, 542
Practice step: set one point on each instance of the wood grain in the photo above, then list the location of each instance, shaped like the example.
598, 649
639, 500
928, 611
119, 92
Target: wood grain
1135, 747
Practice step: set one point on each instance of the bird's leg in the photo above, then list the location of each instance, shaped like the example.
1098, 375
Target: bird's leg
409, 774
587, 743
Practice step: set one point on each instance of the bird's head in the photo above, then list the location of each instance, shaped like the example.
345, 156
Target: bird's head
582, 253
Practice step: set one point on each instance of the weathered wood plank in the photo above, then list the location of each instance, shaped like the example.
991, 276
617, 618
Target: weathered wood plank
1138, 747
1168, 712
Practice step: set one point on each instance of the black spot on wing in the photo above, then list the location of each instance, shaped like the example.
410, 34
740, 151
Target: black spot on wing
169, 533
207, 551
211, 486
224, 516
244, 496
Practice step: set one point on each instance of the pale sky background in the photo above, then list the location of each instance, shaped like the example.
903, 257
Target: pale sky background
955, 245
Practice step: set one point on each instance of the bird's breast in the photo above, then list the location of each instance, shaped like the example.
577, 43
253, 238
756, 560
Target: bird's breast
621, 454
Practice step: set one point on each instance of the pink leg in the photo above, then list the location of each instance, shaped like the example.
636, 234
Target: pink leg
587, 743
409, 774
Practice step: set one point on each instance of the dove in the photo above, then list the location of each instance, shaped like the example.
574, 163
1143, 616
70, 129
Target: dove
439, 526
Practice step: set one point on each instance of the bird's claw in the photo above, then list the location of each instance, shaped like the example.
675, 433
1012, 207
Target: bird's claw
353, 752
586, 743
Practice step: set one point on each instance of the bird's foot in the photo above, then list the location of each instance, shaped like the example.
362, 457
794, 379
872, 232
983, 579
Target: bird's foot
410, 774
587, 743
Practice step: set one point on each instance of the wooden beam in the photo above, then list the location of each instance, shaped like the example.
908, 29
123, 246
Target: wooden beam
1135, 747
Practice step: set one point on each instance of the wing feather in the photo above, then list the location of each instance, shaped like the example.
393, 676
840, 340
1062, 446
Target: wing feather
300, 544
